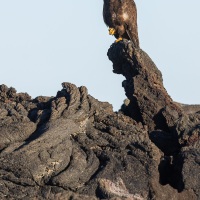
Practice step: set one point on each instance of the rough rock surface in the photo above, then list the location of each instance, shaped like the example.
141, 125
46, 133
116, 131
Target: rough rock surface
72, 146
149, 101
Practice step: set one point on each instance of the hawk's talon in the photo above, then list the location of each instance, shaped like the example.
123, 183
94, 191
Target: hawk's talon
119, 39
112, 31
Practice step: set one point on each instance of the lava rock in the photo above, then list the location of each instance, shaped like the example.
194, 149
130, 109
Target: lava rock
73, 146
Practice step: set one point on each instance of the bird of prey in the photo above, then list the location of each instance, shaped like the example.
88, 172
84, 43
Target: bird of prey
121, 18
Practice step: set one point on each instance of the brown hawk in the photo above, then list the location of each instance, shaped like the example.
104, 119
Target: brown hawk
121, 18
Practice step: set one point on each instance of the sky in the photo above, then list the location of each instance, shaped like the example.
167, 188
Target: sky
46, 42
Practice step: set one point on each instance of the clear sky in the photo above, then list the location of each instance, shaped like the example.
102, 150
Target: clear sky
46, 42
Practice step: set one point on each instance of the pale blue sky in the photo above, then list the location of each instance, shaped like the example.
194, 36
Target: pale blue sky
46, 42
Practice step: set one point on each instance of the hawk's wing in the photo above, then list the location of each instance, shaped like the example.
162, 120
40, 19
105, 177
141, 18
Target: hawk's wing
129, 9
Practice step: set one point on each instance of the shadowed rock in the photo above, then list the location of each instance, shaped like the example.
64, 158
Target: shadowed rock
172, 126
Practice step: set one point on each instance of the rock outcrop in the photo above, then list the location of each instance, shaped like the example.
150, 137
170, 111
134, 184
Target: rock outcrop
149, 101
72, 146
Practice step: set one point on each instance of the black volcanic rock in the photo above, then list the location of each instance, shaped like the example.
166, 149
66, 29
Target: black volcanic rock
73, 146
149, 101
172, 126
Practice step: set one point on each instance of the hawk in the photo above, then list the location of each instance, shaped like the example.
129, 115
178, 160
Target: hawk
121, 18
